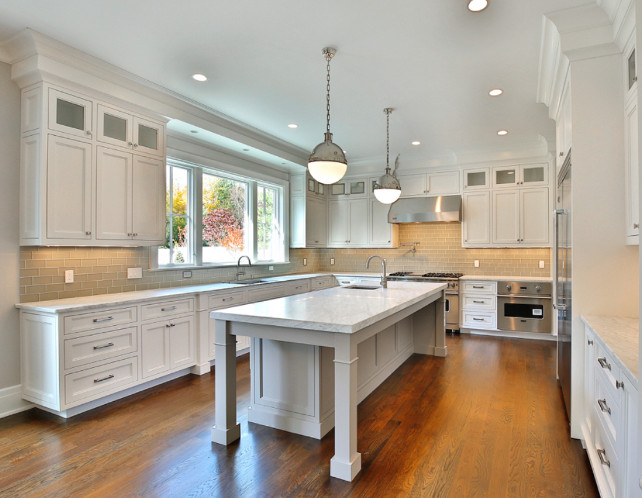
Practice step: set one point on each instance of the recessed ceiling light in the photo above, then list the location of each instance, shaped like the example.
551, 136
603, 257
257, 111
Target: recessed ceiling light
477, 5
416, 142
495, 92
199, 77
293, 125
501, 133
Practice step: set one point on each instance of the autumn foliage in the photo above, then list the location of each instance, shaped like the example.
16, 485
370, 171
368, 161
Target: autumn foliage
221, 227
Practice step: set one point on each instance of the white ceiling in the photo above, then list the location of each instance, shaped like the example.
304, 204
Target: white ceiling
433, 61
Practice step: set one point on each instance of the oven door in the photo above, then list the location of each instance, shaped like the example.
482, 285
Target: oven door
524, 314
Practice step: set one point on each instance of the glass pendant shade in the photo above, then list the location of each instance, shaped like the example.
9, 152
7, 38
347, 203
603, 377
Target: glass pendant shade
327, 163
387, 190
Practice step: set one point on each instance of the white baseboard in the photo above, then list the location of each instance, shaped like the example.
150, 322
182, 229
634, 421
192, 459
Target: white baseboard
11, 401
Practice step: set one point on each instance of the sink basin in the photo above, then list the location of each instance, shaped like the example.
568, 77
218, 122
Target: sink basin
249, 281
363, 287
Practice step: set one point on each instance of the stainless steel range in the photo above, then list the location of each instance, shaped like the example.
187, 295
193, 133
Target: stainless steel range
452, 292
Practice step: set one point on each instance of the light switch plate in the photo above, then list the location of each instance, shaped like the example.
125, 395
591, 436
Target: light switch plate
541, 263
476, 263
134, 273
69, 276
331, 261
187, 274
305, 261
270, 268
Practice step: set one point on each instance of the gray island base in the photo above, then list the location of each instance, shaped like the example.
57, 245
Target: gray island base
315, 356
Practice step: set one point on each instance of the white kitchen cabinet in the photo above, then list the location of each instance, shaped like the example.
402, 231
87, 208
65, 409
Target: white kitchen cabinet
69, 190
316, 223
476, 219
130, 131
308, 213
430, 184
129, 197
526, 175
348, 223
563, 126
632, 197
478, 304
349, 187
72, 189
381, 233
476, 179
521, 217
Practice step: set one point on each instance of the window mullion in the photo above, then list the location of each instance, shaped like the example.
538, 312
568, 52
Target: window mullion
196, 203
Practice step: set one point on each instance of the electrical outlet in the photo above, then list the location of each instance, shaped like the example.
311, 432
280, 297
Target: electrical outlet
134, 273
270, 268
187, 274
69, 276
305, 261
476, 263
541, 263
331, 261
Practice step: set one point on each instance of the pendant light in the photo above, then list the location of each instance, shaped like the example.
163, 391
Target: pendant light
327, 163
387, 190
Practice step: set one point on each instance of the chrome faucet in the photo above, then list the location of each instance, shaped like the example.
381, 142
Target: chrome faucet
238, 266
384, 279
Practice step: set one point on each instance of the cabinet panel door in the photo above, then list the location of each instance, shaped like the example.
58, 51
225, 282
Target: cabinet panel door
443, 183
506, 217
154, 348
475, 179
70, 114
316, 220
505, 177
182, 343
113, 194
535, 216
69, 192
359, 222
148, 199
148, 137
380, 229
339, 223
114, 126
412, 185
476, 216
632, 172
534, 174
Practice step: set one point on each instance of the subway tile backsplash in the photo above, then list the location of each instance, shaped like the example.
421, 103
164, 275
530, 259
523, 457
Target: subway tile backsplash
104, 270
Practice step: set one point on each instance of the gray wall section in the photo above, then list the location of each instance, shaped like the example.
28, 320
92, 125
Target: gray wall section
9, 248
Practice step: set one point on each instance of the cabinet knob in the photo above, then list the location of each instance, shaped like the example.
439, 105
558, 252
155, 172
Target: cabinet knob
87, 233
636, 225
135, 146
561, 154
130, 144
88, 133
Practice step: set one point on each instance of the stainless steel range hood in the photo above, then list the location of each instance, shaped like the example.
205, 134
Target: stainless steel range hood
426, 209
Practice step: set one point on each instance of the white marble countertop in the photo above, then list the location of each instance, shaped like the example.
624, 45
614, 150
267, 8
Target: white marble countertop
337, 309
124, 298
621, 336
505, 277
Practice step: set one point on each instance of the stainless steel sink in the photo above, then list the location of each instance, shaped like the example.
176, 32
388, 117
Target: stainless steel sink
249, 281
362, 287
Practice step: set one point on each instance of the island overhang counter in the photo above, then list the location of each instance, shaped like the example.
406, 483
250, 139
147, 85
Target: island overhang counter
338, 320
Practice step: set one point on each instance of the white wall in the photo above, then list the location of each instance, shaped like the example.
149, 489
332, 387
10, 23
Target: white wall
605, 273
9, 249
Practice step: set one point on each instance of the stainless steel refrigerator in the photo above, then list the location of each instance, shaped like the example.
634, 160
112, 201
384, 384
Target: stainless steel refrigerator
563, 260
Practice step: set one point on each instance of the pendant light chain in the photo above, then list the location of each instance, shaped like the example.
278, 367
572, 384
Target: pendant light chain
387, 139
328, 58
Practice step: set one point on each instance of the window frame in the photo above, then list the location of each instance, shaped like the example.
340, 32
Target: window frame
253, 180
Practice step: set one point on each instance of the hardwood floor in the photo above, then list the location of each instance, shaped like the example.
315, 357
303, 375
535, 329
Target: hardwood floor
488, 420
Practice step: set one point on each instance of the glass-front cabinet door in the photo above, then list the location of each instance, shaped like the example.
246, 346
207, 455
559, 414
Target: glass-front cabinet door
535, 174
148, 137
527, 175
505, 177
114, 126
475, 179
70, 114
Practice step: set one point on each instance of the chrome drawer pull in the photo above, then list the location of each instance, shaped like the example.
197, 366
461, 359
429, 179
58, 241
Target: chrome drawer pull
619, 384
478, 286
603, 459
227, 299
603, 363
478, 302
108, 345
98, 320
590, 342
110, 376
169, 308
478, 319
603, 406
170, 324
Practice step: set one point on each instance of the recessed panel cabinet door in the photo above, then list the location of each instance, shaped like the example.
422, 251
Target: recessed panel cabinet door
476, 218
148, 199
506, 217
182, 343
155, 348
535, 216
339, 217
69, 189
358, 222
113, 194
380, 229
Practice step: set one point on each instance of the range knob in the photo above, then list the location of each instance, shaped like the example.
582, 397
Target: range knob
451, 284
538, 288
508, 287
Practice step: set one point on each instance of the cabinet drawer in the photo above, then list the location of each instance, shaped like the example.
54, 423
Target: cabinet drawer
266, 292
298, 287
481, 302
608, 371
225, 300
609, 413
480, 287
479, 320
102, 318
321, 283
607, 463
97, 347
99, 381
167, 308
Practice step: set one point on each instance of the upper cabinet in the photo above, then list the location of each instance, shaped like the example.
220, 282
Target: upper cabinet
476, 179
632, 166
526, 175
91, 173
308, 212
563, 126
430, 184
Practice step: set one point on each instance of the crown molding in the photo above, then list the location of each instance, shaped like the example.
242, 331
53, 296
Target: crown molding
621, 13
35, 57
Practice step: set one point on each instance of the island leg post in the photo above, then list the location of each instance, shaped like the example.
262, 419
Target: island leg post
346, 462
226, 429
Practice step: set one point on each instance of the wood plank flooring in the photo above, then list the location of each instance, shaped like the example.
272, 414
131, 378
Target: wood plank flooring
488, 421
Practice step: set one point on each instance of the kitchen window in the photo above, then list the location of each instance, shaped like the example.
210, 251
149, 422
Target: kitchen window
239, 216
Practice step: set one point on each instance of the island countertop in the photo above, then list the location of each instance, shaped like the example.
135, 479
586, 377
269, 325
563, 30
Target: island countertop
337, 309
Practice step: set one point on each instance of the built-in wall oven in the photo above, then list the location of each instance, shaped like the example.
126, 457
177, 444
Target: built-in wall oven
525, 306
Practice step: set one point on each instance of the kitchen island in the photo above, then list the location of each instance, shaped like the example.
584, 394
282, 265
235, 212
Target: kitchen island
337, 320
